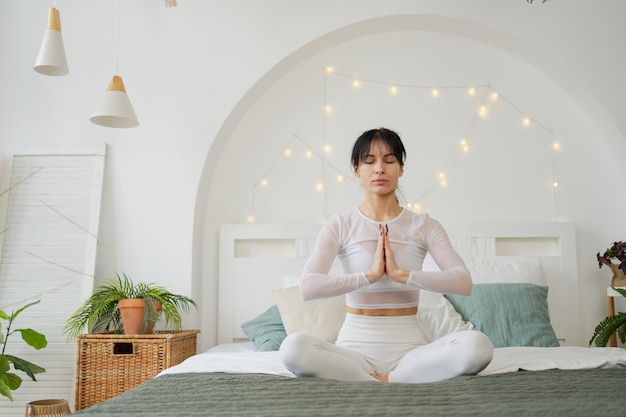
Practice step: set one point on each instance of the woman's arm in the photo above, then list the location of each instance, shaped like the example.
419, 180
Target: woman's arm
454, 277
315, 281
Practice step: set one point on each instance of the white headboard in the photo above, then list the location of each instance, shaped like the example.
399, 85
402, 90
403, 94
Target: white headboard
255, 258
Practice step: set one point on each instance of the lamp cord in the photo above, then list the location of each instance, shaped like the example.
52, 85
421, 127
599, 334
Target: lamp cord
119, 30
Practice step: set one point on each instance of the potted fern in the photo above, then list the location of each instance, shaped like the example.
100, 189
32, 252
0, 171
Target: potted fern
10, 381
104, 310
611, 324
615, 258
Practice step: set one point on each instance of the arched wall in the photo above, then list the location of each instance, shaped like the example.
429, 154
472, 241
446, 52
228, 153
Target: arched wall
206, 226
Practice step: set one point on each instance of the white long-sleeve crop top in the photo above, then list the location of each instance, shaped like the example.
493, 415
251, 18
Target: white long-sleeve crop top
352, 239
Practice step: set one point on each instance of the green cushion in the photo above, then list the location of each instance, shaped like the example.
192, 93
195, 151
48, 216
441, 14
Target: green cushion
266, 331
514, 314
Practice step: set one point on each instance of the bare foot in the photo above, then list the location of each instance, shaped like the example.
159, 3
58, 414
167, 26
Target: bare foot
381, 378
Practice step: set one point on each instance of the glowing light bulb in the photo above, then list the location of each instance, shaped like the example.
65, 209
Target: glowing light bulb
434, 92
308, 154
356, 83
393, 90
328, 109
526, 121
443, 181
329, 70
328, 149
483, 111
555, 184
287, 152
464, 145
494, 96
340, 178
556, 146
251, 219
319, 186
471, 91
263, 182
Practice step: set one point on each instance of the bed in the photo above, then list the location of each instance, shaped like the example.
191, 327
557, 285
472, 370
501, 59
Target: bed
525, 299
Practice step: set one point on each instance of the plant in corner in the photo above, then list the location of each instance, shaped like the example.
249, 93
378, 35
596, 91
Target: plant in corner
617, 253
610, 325
10, 381
101, 311
615, 258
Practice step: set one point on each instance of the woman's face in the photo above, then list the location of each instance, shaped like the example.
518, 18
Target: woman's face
380, 170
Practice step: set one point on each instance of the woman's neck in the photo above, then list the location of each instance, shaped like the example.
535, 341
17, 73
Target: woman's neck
380, 210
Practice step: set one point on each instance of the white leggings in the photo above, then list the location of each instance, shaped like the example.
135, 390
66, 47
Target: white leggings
393, 346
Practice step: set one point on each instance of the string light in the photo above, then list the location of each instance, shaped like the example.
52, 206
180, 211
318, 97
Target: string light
463, 145
443, 180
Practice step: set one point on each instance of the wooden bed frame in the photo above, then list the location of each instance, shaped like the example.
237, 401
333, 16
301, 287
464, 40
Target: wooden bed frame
255, 259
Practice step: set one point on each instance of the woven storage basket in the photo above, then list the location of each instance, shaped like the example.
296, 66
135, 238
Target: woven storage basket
47, 408
110, 364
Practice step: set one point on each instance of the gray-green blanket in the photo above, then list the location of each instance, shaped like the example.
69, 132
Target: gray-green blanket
550, 393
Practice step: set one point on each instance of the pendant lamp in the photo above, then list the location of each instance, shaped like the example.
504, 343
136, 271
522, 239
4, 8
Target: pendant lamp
51, 59
115, 109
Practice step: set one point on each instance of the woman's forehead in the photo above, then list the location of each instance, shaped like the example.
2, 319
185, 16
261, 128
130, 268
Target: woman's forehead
379, 147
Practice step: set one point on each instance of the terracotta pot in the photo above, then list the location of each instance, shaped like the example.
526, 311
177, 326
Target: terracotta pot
132, 311
619, 278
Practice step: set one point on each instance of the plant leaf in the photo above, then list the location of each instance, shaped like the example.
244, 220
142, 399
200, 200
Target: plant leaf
4, 316
19, 310
4, 387
33, 338
28, 368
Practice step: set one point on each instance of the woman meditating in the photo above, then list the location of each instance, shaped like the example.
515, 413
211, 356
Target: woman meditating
381, 247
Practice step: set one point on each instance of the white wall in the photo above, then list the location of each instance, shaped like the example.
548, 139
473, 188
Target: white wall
195, 71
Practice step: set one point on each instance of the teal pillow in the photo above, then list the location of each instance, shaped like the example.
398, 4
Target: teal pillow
266, 331
513, 314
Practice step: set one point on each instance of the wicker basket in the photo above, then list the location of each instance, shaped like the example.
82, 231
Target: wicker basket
110, 364
47, 408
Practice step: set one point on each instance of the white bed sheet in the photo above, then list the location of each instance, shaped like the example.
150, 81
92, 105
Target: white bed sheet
242, 358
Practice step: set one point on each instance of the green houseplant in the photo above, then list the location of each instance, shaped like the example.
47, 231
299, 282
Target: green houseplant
101, 311
610, 325
10, 381
615, 258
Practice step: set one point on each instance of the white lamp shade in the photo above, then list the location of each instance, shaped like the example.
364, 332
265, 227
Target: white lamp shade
51, 59
115, 109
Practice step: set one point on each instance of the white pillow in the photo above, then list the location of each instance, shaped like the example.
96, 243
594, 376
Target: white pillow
322, 318
438, 317
489, 270
492, 269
